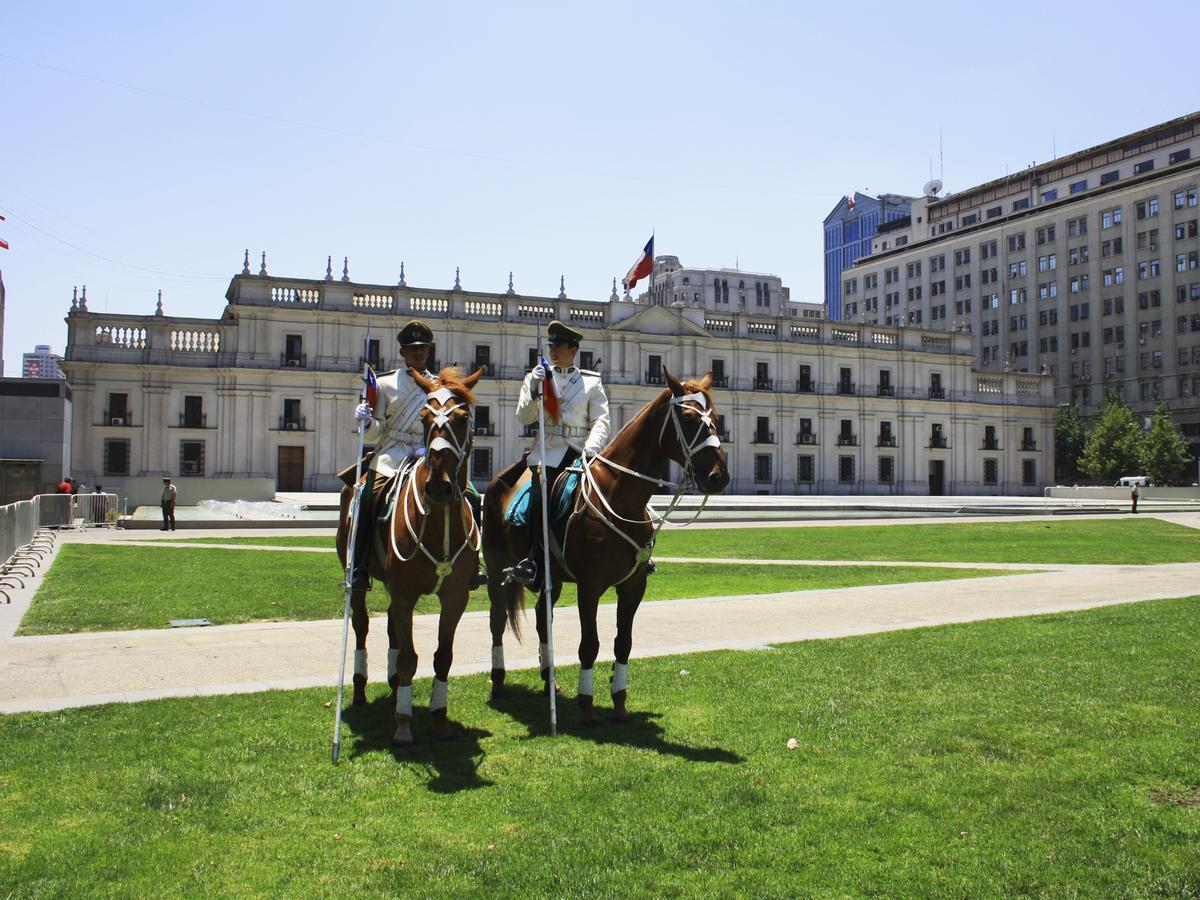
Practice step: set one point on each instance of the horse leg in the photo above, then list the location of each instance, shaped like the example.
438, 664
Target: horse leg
362, 621
400, 628
454, 601
629, 597
589, 648
500, 601
393, 650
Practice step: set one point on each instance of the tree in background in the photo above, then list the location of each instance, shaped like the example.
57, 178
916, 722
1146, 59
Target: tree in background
1070, 435
1114, 448
1164, 451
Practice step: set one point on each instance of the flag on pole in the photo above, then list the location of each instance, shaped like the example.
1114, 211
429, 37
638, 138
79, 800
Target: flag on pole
549, 392
3, 243
371, 392
643, 267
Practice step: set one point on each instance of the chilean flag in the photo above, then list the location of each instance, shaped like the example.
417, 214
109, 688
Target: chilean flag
643, 267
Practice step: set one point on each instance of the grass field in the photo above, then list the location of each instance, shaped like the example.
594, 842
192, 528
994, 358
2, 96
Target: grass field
1051, 756
94, 587
1105, 541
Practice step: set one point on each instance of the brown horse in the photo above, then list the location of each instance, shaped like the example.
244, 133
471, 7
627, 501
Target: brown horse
430, 546
607, 539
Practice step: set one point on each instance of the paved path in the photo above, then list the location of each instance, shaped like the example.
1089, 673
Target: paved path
60, 671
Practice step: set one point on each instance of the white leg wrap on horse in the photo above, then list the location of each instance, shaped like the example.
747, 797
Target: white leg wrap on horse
404, 700
360, 662
437, 697
393, 655
544, 655
498, 657
620, 676
585, 681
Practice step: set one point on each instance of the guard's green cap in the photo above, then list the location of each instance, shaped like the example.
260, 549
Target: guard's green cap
557, 331
415, 334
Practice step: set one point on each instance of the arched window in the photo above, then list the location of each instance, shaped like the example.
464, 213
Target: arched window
724, 290
758, 295
766, 295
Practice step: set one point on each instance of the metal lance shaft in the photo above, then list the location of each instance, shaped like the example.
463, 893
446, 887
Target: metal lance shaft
547, 592
354, 510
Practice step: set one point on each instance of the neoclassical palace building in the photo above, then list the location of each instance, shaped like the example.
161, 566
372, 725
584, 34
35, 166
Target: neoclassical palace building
261, 398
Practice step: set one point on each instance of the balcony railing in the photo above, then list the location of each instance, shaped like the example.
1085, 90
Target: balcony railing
654, 378
292, 423
992, 444
764, 437
846, 388
530, 430
888, 440
804, 386
806, 437
939, 443
885, 390
194, 420
720, 381
375, 362
937, 393
1028, 445
763, 384
487, 430
293, 360
725, 437
118, 417
847, 440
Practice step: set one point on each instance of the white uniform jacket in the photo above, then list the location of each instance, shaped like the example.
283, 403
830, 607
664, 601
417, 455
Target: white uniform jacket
396, 429
582, 414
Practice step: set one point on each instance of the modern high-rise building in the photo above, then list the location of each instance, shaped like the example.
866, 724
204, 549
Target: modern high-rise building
1086, 268
41, 363
849, 228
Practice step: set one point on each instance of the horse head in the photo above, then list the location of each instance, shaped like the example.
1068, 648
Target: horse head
448, 419
694, 442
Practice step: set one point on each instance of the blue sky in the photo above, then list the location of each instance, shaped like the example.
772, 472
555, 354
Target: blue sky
546, 139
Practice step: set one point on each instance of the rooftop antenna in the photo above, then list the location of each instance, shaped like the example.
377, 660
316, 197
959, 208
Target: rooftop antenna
1053, 146
941, 157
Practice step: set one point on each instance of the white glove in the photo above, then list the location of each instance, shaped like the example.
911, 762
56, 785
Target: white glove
538, 375
362, 412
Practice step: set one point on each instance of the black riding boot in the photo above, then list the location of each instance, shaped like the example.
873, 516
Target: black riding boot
360, 578
529, 570
480, 578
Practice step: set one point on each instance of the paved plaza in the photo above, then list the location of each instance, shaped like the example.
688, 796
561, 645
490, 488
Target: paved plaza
60, 671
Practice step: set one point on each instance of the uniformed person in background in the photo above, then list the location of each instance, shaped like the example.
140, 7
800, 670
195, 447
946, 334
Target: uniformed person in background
581, 426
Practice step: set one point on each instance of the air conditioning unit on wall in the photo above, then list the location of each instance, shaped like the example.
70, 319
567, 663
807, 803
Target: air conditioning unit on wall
291, 426
117, 420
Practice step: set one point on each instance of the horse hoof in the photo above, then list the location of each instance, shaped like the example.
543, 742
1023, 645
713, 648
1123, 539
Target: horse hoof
359, 699
620, 714
403, 736
442, 729
587, 710
402, 742
497, 684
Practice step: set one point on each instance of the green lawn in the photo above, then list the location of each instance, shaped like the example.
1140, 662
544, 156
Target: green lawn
94, 587
1101, 541
1052, 756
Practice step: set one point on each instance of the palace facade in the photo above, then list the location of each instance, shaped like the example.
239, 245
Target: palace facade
261, 398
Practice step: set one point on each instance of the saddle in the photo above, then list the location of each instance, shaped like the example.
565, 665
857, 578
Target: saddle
384, 489
562, 498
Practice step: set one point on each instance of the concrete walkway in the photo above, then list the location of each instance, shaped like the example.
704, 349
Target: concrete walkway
60, 671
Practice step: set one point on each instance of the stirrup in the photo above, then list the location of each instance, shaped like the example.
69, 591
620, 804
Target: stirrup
651, 568
479, 579
525, 572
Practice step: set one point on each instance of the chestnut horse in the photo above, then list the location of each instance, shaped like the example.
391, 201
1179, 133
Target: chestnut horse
430, 546
607, 539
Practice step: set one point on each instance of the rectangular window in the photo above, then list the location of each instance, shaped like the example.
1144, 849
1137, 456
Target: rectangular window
1146, 165
991, 471
1047, 196
481, 464
191, 458
887, 470
762, 468
1179, 156
1028, 472
1110, 177
1078, 187
804, 469
116, 457
846, 469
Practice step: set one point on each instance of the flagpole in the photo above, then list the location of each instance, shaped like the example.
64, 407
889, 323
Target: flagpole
547, 592
354, 505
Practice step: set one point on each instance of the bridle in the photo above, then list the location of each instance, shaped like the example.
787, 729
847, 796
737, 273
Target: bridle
440, 435
705, 435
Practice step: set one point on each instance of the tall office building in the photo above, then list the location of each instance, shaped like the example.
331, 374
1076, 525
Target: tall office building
849, 228
1086, 268
41, 363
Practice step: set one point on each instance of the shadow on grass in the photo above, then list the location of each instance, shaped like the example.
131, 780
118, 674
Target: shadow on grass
530, 707
452, 766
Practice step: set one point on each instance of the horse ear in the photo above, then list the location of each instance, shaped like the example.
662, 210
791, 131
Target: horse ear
471, 380
706, 381
424, 383
673, 383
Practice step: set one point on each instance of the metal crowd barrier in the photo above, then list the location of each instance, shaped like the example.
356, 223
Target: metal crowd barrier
77, 510
23, 545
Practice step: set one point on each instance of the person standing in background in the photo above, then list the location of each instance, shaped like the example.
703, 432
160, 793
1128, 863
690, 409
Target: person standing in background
168, 505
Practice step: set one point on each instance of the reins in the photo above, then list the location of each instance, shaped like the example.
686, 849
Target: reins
705, 436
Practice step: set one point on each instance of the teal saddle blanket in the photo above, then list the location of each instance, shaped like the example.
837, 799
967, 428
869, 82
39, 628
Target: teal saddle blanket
561, 502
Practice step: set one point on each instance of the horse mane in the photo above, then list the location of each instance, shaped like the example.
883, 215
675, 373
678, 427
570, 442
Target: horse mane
691, 384
452, 377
